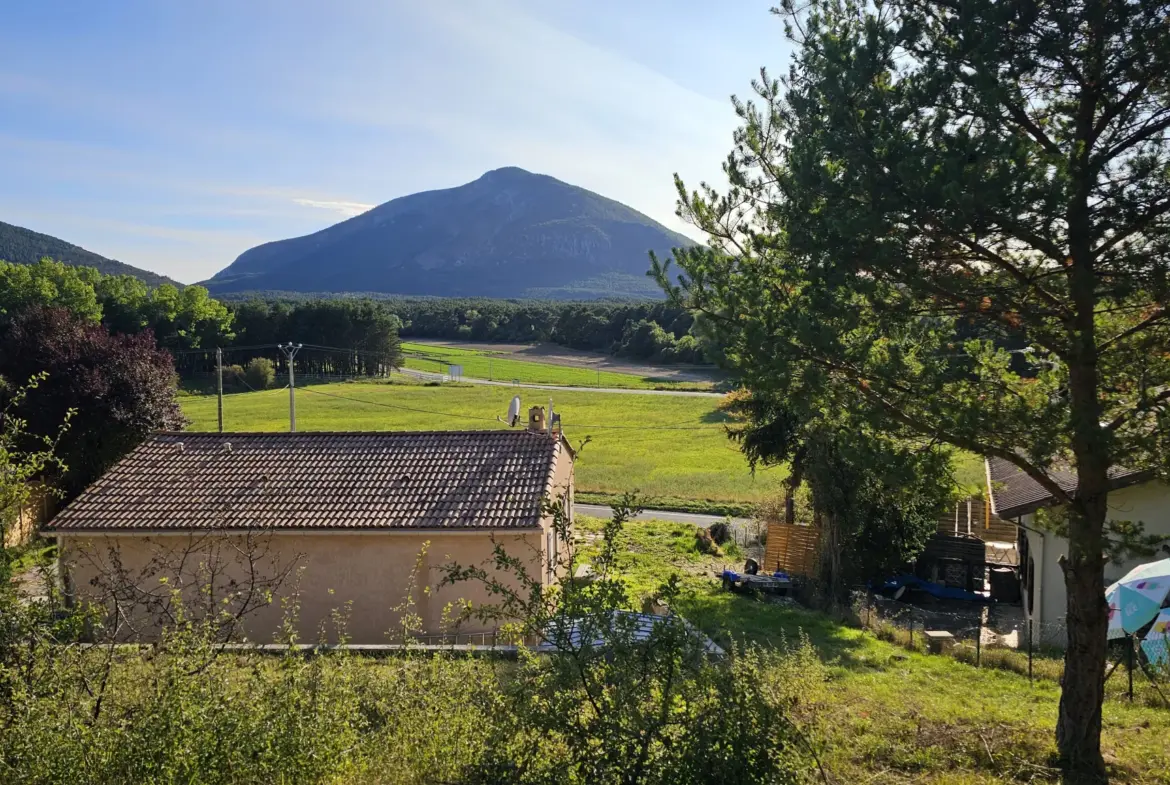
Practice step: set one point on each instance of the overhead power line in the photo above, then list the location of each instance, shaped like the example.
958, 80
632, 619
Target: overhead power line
226, 349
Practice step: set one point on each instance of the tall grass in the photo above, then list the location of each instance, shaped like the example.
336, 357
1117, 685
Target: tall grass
182, 714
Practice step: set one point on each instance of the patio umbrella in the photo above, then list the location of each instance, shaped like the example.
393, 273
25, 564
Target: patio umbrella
1136, 599
1155, 643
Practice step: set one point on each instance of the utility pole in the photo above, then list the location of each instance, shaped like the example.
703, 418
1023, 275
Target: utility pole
219, 385
290, 351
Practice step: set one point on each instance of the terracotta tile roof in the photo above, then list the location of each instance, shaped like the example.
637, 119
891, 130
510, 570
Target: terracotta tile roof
1014, 493
326, 481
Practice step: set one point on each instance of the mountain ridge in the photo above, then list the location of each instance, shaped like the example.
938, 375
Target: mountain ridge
25, 246
509, 233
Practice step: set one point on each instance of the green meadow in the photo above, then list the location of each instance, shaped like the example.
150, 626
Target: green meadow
672, 450
662, 446
499, 366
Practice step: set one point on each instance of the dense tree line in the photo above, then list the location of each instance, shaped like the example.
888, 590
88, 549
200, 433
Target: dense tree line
654, 331
191, 324
184, 320
179, 319
639, 330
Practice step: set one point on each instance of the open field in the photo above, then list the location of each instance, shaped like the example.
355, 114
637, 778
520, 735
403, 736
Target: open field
500, 363
673, 450
888, 715
661, 446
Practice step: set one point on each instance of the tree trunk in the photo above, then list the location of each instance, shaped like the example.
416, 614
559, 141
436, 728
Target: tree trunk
1078, 729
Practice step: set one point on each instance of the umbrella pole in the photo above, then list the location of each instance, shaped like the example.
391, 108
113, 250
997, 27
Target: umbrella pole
1115, 666
1130, 668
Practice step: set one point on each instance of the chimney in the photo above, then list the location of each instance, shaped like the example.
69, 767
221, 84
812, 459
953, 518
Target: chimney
536, 419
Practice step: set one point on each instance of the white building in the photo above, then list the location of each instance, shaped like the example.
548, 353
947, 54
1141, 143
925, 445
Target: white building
1135, 496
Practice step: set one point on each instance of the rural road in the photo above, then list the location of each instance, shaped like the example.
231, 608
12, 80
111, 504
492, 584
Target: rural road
602, 511
442, 377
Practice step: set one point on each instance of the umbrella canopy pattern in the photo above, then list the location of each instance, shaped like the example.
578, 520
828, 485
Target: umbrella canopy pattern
1157, 639
1136, 599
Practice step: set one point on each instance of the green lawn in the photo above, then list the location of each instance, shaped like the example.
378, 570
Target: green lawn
662, 446
889, 715
498, 366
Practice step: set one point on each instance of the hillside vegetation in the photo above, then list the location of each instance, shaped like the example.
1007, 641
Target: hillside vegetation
24, 246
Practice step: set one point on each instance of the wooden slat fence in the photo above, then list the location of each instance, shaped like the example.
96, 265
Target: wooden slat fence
793, 549
23, 523
972, 516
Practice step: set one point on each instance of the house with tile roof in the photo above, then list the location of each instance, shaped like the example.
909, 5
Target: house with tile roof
245, 526
1135, 496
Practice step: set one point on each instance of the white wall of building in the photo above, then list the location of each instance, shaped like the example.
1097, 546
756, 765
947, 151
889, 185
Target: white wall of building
1148, 503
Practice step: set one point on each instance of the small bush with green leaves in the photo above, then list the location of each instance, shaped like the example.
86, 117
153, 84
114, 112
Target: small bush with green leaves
259, 373
233, 377
618, 697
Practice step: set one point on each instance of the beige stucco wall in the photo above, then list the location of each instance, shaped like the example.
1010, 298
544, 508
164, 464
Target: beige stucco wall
1148, 503
366, 575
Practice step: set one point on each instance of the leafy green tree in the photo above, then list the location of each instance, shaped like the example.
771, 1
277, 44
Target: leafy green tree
876, 499
124, 300
645, 340
24, 459
933, 182
25, 627
187, 318
259, 373
48, 283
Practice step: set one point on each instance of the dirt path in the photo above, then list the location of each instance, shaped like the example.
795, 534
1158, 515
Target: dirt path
442, 377
553, 354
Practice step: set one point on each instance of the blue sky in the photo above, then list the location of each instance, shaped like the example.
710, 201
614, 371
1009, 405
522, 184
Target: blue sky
175, 135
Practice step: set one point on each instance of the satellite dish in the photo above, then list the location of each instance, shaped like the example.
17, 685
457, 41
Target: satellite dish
514, 411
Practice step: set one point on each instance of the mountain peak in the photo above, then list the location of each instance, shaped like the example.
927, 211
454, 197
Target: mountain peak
524, 235
509, 172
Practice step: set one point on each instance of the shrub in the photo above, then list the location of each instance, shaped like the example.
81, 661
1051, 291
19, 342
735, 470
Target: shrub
721, 531
188, 713
704, 542
260, 373
233, 376
617, 699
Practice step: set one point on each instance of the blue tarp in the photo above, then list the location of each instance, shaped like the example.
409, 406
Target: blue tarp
933, 589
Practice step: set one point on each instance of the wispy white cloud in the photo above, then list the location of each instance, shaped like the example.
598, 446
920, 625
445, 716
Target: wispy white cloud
348, 209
